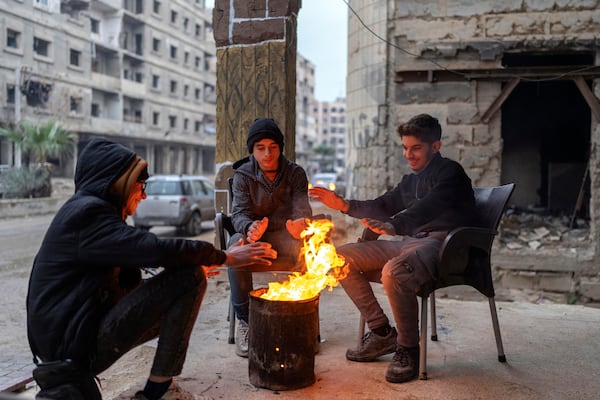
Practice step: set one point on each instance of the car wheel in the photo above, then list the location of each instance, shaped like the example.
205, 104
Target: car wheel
194, 226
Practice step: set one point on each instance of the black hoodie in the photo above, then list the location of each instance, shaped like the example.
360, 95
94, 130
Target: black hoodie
78, 272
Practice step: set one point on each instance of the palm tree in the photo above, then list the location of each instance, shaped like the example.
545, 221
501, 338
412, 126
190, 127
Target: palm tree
37, 143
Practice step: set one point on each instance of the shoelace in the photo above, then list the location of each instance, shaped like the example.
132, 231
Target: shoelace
401, 356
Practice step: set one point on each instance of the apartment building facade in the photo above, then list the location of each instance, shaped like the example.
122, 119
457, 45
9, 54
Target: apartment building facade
140, 72
306, 122
331, 128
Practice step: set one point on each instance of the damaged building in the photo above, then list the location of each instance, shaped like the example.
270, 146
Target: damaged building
516, 86
139, 72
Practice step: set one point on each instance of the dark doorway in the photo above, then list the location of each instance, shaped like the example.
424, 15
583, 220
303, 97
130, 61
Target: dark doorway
546, 141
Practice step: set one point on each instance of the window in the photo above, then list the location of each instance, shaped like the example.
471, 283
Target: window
197, 93
197, 62
75, 104
173, 16
95, 25
172, 121
186, 57
197, 126
186, 122
13, 38
156, 7
198, 30
173, 52
74, 57
156, 81
41, 47
155, 44
186, 90
95, 110
10, 93
155, 118
173, 87
186, 22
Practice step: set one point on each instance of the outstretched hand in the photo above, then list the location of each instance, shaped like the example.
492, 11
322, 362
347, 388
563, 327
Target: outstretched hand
241, 255
379, 227
295, 227
329, 198
257, 229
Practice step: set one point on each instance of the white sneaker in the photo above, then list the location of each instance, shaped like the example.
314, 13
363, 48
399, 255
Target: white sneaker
241, 338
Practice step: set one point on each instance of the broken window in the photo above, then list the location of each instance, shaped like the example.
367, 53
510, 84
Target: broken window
74, 57
10, 93
75, 105
37, 93
41, 47
13, 39
95, 25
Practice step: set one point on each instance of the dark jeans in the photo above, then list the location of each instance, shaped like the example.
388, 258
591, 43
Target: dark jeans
164, 306
404, 267
240, 279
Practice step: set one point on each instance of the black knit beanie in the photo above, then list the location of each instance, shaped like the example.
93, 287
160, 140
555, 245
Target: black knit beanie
264, 128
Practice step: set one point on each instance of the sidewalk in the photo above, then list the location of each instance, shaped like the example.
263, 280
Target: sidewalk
551, 349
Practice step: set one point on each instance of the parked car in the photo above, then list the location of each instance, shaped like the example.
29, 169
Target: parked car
182, 201
330, 180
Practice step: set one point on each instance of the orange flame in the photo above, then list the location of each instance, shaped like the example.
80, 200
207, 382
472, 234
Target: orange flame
324, 267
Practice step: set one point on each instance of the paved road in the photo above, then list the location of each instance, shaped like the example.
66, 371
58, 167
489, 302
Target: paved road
20, 239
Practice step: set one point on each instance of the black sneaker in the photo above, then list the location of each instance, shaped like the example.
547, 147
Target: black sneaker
373, 346
404, 366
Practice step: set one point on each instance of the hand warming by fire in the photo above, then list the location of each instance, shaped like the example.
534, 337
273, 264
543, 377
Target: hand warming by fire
324, 267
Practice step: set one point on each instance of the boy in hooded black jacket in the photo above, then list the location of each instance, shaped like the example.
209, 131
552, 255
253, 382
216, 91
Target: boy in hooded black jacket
87, 305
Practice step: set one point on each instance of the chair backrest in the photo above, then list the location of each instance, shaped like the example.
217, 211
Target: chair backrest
490, 203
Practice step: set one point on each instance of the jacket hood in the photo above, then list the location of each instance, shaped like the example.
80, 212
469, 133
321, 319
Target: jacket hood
99, 165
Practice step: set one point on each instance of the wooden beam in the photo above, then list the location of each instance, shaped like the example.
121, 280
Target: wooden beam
495, 106
588, 96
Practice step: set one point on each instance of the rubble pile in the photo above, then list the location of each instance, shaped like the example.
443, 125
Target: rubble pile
528, 230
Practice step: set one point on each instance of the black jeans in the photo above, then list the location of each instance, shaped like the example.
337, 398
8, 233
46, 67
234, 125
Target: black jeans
164, 306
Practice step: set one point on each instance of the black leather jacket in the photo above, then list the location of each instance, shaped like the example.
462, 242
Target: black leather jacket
440, 197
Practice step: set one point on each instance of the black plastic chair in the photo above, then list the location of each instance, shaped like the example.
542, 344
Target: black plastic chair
465, 259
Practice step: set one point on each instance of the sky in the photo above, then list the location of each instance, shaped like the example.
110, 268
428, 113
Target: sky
323, 40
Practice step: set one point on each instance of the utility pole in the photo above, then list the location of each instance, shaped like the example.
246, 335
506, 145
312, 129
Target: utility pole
16, 147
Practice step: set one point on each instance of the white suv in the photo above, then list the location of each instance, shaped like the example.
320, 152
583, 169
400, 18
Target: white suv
182, 201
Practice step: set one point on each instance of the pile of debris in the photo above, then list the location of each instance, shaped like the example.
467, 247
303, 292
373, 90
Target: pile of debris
529, 230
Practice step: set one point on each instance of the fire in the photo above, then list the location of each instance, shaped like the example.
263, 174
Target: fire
324, 267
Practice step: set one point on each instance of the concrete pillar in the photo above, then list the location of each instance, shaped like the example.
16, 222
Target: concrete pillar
256, 75
256, 70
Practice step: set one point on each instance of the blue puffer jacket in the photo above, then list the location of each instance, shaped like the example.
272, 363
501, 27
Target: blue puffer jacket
89, 257
438, 197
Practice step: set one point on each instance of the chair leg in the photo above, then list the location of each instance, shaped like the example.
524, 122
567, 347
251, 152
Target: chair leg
231, 318
423, 341
361, 329
433, 318
501, 355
